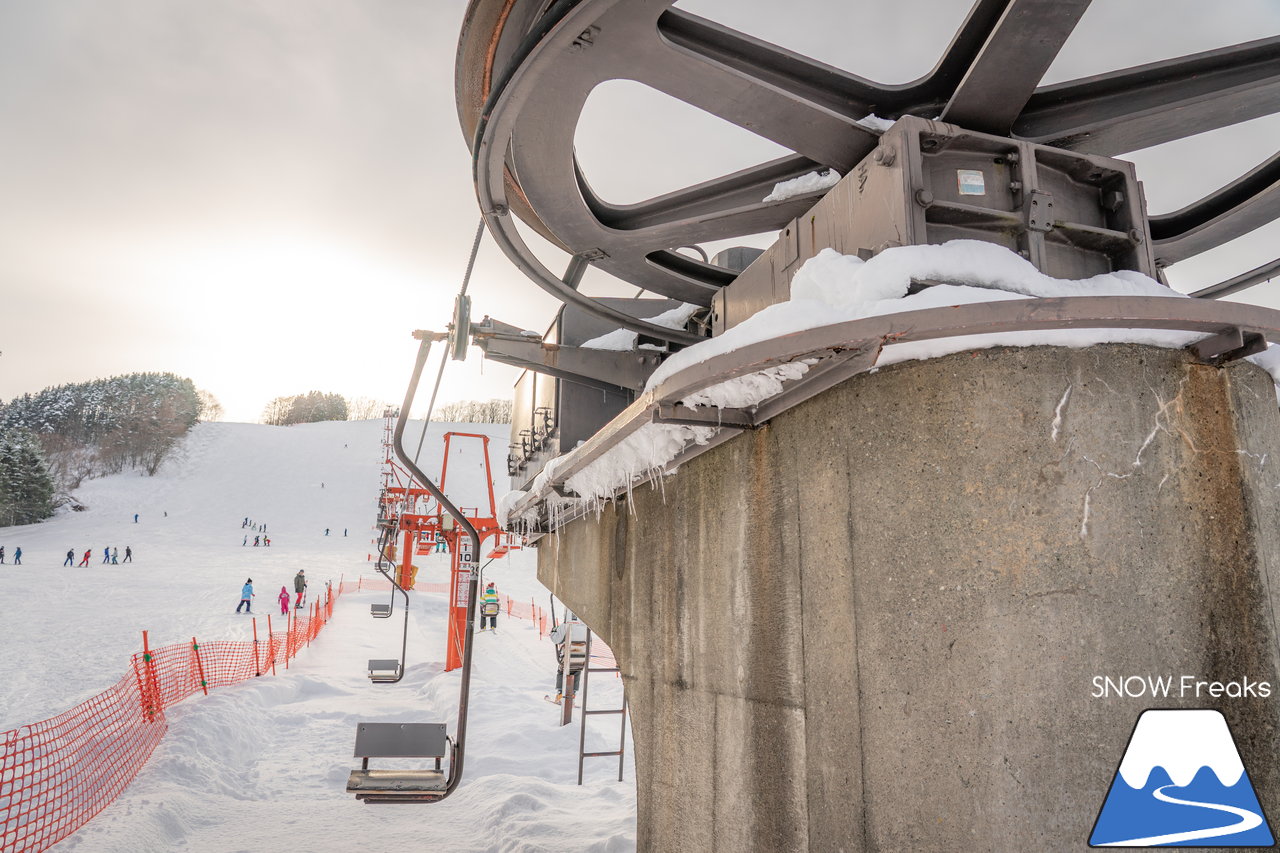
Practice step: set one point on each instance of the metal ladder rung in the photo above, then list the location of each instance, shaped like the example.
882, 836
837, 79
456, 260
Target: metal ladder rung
620, 752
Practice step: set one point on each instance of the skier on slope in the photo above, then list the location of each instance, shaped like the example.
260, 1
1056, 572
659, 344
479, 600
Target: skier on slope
284, 601
88, 552
246, 597
1, 555
489, 608
300, 587
128, 554
106, 555
17, 556
71, 558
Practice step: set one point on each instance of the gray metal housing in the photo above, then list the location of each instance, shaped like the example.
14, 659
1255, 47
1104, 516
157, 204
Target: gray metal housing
1071, 215
551, 415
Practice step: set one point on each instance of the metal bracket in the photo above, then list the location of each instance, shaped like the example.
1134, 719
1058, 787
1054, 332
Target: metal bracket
678, 413
1040, 211
1227, 346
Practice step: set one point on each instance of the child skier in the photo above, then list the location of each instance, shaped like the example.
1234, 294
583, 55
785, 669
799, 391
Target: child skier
246, 597
284, 601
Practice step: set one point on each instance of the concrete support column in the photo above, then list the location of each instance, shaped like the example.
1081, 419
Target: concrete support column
875, 623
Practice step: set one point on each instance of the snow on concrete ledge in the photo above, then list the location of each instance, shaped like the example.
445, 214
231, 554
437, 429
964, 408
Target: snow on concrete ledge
833, 288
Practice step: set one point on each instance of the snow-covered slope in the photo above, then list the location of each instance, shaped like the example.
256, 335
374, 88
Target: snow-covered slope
264, 763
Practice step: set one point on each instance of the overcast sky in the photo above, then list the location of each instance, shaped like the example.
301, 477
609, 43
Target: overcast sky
267, 196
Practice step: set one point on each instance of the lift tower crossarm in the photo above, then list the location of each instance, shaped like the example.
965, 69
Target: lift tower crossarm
608, 370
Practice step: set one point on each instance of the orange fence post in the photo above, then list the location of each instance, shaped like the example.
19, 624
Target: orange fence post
151, 689
195, 647
270, 645
257, 670
288, 637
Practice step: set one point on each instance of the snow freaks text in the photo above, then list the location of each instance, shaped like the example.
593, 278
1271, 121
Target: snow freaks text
1176, 686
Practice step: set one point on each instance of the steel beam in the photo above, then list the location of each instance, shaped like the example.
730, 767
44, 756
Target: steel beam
1014, 58
1255, 276
1249, 202
1149, 104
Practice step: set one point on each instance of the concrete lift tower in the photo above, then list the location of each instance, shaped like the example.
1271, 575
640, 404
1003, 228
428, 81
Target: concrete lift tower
867, 610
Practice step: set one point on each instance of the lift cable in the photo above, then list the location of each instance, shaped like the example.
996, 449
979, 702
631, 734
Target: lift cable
444, 356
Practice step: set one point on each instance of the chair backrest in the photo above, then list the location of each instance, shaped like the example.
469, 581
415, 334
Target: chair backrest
401, 740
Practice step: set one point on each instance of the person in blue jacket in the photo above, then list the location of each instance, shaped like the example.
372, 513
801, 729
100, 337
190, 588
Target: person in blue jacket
246, 597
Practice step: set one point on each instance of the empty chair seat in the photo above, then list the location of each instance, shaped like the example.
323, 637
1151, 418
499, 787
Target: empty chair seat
383, 671
381, 611
399, 740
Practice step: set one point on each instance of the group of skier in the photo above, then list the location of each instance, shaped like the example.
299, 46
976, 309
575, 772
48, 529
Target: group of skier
110, 556
299, 594
261, 529
17, 555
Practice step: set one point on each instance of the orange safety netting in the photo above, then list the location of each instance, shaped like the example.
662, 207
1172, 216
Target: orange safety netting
55, 775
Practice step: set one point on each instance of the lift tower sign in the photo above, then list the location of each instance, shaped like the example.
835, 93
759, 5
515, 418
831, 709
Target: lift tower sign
466, 569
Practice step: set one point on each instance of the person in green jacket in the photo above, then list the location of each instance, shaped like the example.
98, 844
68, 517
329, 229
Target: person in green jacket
489, 608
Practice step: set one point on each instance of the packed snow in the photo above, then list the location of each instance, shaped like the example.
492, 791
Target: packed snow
806, 184
264, 763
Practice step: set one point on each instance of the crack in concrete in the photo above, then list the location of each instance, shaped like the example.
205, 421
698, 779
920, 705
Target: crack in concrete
1057, 413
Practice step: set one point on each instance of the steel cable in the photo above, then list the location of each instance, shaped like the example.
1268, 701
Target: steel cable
444, 356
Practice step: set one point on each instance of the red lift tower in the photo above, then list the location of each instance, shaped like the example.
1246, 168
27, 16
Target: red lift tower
416, 514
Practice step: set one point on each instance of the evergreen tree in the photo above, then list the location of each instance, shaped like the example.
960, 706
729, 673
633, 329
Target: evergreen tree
89, 429
26, 484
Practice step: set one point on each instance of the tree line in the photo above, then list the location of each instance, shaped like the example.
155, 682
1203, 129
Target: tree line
493, 411
51, 441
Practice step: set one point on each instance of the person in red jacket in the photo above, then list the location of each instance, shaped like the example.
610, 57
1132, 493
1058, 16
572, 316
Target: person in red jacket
87, 554
284, 601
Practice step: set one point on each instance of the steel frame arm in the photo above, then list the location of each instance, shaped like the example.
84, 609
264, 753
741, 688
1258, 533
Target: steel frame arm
460, 739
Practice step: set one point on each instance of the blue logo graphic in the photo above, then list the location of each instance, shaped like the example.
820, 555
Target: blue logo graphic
1181, 783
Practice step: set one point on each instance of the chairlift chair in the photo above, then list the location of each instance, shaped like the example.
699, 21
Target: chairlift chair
389, 670
400, 740
417, 740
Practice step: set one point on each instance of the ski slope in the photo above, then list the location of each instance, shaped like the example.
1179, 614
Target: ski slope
264, 763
